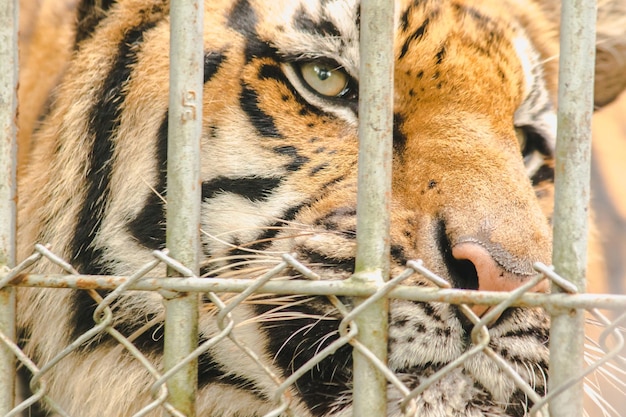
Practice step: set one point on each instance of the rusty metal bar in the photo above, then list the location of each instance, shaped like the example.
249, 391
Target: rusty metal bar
183, 193
8, 155
374, 198
573, 156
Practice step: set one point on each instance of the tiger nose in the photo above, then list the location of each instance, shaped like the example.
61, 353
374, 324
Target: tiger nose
492, 276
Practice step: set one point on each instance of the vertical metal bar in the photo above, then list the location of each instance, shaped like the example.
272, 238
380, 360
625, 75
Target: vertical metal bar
183, 192
374, 196
8, 154
573, 156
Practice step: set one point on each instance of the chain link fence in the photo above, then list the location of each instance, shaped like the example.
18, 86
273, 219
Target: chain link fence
360, 326
611, 341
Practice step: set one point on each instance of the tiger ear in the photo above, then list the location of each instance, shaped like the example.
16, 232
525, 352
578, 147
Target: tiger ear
88, 14
610, 79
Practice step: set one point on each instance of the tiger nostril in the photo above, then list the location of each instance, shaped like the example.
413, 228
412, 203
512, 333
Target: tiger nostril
485, 266
463, 273
490, 275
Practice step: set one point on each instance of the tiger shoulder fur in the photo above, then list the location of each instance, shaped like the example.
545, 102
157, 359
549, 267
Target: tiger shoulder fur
474, 134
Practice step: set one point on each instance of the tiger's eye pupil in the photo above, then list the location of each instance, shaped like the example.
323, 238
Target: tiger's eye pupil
323, 73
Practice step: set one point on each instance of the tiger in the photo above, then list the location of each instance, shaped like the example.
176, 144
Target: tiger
474, 136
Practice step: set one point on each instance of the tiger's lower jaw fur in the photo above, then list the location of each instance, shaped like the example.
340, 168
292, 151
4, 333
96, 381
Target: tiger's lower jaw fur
456, 394
231, 384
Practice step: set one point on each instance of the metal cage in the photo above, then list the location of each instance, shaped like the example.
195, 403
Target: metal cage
370, 284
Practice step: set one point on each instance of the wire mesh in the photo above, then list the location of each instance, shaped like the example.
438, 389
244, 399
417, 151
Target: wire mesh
611, 340
352, 330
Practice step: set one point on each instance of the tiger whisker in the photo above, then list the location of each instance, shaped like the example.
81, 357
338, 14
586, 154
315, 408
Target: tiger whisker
595, 395
265, 216
227, 271
304, 232
154, 191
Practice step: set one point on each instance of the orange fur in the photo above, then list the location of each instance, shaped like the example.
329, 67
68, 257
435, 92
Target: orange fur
279, 164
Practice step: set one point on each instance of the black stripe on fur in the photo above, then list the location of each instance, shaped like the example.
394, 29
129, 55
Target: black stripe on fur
103, 124
149, 225
262, 122
210, 372
253, 188
294, 341
304, 23
148, 228
88, 14
417, 34
243, 19
212, 63
297, 160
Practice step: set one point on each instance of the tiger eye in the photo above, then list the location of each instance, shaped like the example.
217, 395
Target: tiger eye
324, 79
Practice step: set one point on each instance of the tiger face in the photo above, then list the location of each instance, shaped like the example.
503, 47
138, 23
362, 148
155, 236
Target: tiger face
474, 133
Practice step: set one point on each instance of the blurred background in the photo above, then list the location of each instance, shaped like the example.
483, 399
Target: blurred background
608, 197
608, 200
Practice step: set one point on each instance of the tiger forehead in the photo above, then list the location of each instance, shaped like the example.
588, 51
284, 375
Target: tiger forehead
310, 29
446, 47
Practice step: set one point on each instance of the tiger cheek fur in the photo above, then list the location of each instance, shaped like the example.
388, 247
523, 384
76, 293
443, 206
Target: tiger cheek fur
279, 163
